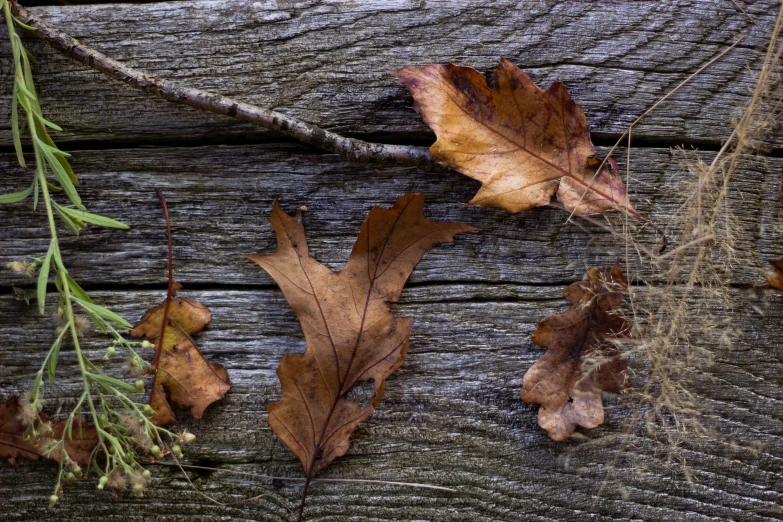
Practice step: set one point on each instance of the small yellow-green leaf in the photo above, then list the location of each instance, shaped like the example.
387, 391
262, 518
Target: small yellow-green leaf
71, 223
15, 197
24, 26
103, 313
43, 277
95, 219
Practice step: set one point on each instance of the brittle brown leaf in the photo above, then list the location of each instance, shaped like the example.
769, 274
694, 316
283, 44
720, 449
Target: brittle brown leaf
351, 333
191, 380
581, 361
13, 429
523, 143
79, 443
16, 432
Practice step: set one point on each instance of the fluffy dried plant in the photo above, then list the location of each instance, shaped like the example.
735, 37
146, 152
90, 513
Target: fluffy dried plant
682, 306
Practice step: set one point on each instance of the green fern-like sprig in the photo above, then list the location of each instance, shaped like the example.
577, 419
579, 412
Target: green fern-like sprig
124, 430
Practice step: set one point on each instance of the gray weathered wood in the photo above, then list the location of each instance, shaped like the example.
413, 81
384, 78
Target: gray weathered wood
451, 416
220, 197
328, 63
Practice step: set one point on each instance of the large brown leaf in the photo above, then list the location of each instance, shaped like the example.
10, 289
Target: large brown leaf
522, 143
581, 360
352, 335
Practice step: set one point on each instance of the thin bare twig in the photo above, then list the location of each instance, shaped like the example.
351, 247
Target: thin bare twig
353, 149
302, 479
211, 499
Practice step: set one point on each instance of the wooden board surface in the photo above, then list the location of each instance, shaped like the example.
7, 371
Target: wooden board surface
327, 62
452, 415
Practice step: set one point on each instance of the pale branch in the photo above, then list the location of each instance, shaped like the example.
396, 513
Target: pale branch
353, 149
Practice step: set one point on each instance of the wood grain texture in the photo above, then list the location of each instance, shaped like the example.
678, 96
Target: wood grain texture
452, 415
328, 63
220, 197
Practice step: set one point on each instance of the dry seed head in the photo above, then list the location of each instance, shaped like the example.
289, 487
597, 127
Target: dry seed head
185, 437
81, 324
28, 413
20, 267
134, 425
138, 477
117, 481
133, 366
138, 481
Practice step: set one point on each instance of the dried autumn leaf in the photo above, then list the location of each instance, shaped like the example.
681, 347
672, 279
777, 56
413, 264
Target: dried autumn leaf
352, 335
775, 279
179, 367
191, 380
13, 443
581, 360
522, 143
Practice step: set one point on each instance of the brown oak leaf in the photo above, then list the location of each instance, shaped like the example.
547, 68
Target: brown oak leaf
351, 333
179, 367
524, 144
581, 361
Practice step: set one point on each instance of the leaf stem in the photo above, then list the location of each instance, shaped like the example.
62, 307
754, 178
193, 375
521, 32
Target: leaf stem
170, 293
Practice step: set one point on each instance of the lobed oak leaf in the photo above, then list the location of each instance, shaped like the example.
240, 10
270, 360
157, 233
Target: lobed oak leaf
581, 360
351, 333
523, 143
179, 367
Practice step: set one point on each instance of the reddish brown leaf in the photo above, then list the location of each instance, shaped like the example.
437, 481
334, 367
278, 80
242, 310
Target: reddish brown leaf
352, 335
179, 367
775, 279
581, 360
13, 443
523, 143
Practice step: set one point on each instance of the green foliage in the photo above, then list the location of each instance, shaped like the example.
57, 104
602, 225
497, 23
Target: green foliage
125, 431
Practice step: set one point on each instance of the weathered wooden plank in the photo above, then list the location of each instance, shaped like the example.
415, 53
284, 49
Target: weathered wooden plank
327, 63
220, 197
451, 416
